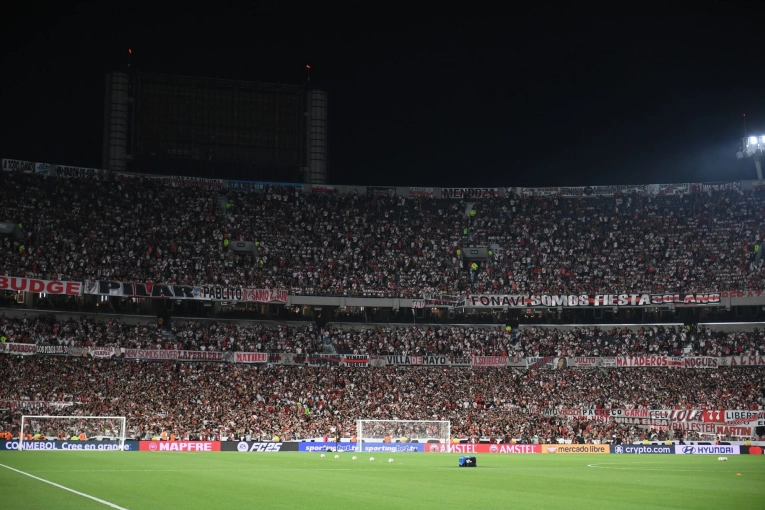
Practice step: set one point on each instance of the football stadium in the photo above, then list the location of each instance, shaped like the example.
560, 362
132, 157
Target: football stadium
212, 319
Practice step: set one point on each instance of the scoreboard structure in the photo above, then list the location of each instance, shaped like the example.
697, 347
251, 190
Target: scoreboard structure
203, 127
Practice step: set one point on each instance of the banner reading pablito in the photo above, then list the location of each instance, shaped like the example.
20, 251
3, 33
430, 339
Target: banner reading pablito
53, 287
205, 293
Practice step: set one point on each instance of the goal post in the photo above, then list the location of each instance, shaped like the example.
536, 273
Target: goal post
109, 428
396, 431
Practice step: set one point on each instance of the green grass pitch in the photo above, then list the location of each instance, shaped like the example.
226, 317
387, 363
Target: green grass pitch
305, 480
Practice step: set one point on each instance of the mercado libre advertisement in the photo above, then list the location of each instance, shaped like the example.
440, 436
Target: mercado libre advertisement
575, 448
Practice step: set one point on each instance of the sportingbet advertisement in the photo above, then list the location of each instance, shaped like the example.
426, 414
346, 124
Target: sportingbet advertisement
367, 447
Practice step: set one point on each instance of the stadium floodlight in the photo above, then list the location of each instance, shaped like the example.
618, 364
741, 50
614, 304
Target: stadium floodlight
752, 148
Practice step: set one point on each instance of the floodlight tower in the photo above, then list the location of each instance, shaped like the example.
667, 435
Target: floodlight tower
752, 148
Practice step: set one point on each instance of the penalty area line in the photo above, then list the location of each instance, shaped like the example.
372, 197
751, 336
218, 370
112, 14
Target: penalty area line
65, 488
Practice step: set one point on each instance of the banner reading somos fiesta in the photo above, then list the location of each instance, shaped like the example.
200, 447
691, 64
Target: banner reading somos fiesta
584, 300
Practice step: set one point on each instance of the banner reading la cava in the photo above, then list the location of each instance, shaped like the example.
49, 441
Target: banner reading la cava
207, 293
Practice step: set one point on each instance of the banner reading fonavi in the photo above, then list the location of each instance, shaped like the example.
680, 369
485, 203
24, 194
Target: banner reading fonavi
160, 291
584, 300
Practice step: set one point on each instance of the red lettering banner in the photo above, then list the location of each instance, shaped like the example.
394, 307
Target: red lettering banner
179, 446
53, 287
482, 448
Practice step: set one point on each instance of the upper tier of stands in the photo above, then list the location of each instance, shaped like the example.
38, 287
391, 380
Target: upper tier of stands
147, 230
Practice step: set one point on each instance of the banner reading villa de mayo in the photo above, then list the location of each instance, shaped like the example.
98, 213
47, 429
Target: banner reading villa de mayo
207, 293
584, 300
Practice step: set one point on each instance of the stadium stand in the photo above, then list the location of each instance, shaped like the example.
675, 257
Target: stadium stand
133, 229
453, 340
146, 230
216, 400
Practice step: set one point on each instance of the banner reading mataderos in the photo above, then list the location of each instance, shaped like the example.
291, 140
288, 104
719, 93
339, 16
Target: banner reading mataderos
206, 293
583, 300
53, 287
650, 361
469, 192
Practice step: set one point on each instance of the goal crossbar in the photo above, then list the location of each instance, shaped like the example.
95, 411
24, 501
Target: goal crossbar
429, 430
27, 417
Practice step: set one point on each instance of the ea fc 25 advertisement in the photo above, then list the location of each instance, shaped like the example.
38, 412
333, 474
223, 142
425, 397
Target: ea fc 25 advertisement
575, 448
257, 446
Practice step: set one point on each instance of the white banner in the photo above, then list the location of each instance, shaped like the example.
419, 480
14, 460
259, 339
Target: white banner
469, 193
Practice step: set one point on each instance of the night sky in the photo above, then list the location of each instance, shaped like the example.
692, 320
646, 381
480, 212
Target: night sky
522, 103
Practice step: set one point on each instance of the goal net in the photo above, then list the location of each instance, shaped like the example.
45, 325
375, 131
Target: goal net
108, 430
402, 431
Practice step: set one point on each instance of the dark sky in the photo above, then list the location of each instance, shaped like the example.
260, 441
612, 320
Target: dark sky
521, 103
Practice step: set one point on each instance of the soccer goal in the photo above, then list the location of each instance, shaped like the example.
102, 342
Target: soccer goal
99, 428
397, 431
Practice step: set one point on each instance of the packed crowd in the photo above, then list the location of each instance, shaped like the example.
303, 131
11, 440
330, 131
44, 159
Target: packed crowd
89, 331
221, 401
143, 230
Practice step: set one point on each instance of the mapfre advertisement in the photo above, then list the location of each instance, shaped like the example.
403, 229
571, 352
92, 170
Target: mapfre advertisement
575, 448
179, 446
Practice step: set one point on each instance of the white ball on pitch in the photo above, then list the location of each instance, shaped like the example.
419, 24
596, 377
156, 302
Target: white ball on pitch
353, 458
337, 456
390, 460
725, 459
322, 455
371, 459
719, 458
